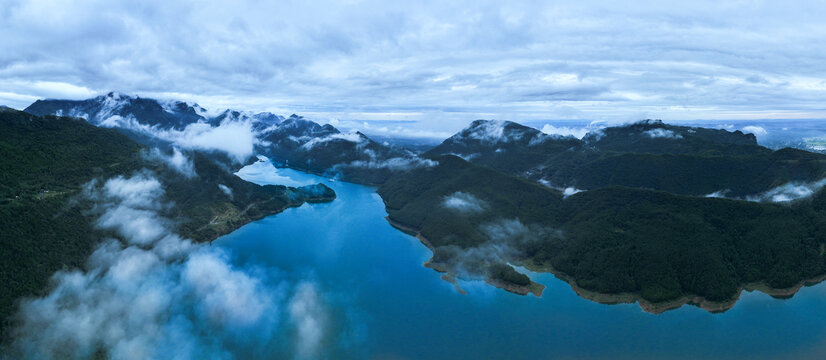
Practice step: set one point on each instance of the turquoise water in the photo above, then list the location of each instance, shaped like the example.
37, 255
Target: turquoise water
386, 305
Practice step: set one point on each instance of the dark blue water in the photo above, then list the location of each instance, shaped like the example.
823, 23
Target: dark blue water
390, 307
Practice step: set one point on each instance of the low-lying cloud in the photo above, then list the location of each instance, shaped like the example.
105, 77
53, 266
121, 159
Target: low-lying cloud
176, 160
353, 137
395, 163
463, 202
507, 241
578, 133
233, 136
785, 193
149, 293
756, 130
789, 192
662, 134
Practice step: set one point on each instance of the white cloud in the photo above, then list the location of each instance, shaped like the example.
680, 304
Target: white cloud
236, 138
233, 136
662, 133
155, 294
395, 163
568, 191
789, 192
176, 161
785, 193
353, 137
578, 133
226, 190
490, 131
463, 202
756, 130
440, 63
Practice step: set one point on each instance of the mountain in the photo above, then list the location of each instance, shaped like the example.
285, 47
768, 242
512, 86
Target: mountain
656, 137
116, 110
323, 149
612, 244
649, 228
507, 146
47, 163
293, 141
648, 154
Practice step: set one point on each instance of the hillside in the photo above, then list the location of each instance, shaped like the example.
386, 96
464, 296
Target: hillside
46, 223
663, 249
292, 141
648, 154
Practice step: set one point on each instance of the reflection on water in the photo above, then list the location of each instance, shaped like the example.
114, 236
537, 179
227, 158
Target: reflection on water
390, 306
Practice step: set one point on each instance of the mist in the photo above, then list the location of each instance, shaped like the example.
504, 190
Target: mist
146, 292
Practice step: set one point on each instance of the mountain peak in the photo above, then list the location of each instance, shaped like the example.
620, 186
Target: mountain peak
495, 131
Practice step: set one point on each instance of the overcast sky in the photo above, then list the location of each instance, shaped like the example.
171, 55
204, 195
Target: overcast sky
442, 63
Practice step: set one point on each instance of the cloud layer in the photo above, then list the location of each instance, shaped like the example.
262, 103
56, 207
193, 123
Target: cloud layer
431, 61
148, 293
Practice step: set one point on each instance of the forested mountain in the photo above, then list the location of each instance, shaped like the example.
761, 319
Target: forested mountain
631, 211
46, 163
292, 141
647, 154
662, 248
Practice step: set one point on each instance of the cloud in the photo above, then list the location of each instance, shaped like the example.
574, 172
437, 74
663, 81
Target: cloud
353, 137
786, 193
578, 133
463, 202
394, 163
150, 293
756, 130
491, 131
236, 138
396, 129
507, 240
226, 190
568, 191
662, 133
176, 160
789, 192
233, 136
439, 63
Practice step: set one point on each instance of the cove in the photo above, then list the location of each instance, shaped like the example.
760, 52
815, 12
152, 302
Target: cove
388, 306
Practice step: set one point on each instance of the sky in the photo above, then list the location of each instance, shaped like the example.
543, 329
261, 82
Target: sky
430, 65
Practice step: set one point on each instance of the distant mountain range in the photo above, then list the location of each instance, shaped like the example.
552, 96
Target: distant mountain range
291, 141
648, 154
627, 213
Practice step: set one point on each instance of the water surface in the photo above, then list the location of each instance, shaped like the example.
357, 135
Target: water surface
388, 306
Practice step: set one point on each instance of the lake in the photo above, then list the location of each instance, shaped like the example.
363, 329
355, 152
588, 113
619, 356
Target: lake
385, 305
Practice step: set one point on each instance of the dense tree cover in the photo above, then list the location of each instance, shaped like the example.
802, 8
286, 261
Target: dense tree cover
615, 239
648, 154
45, 225
418, 200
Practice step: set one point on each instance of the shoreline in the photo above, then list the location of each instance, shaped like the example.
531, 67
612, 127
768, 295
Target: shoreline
534, 288
232, 226
661, 307
619, 298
